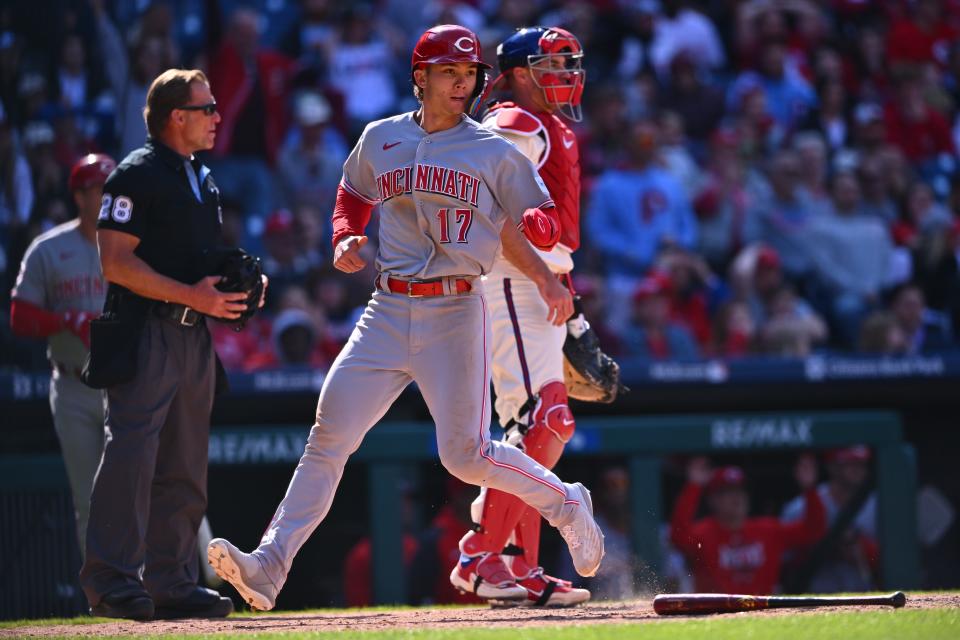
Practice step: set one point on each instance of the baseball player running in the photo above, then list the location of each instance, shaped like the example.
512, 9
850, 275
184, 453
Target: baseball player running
542, 69
449, 192
59, 290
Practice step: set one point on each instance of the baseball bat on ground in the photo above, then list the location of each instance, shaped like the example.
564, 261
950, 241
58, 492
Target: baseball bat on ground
688, 604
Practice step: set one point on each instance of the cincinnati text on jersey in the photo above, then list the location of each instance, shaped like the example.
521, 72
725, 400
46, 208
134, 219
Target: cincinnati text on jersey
432, 179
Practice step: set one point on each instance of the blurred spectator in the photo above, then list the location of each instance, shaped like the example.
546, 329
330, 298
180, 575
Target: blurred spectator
791, 328
130, 76
844, 560
636, 48
812, 153
311, 160
876, 201
871, 64
674, 153
286, 259
920, 214
252, 85
695, 291
358, 563
636, 211
360, 67
701, 106
734, 331
295, 342
309, 40
681, 27
851, 258
603, 145
438, 549
830, 118
76, 82
797, 22
915, 127
331, 291
728, 551
926, 331
880, 334
787, 216
16, 184
920, 36
652, 335
788, 94
727, 204
937, 271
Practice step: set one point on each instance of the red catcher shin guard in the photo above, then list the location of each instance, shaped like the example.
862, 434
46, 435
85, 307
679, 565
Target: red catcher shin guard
504, 514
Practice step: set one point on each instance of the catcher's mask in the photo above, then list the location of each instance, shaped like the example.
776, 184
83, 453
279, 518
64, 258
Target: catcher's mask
554, 57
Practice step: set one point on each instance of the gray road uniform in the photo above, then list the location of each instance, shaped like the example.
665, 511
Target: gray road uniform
443, 199
61, 272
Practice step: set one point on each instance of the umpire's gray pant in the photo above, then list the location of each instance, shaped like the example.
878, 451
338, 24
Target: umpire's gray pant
150, 492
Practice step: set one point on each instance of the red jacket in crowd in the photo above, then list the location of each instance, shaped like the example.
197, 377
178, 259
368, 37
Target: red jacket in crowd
745, 561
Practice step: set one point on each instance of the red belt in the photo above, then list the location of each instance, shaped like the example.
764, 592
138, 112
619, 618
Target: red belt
425, 288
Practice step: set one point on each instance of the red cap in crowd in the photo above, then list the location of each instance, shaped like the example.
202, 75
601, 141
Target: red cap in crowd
726, 477
90, 170
279, 221
655, 284
768, 258
857, 453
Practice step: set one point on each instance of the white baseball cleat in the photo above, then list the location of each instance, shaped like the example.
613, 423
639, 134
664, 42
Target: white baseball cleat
244, 572
487, 576
581, 532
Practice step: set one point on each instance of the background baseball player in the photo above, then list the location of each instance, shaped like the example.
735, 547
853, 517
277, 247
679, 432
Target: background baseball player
61, 288
448, 191
542, 69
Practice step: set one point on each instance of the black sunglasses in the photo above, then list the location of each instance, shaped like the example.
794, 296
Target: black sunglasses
208, 109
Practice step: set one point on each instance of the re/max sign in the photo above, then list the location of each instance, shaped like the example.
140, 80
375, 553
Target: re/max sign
761, 432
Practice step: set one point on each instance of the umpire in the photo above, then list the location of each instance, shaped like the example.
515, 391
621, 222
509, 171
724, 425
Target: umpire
160, 213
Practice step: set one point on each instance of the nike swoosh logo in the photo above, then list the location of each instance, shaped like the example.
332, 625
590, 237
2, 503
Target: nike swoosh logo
390, 145
568, 143
567, 423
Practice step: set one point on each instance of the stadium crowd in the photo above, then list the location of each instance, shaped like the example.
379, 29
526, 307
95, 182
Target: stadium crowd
761, 176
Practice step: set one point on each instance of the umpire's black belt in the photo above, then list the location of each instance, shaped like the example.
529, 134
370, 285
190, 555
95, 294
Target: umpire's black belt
179, 313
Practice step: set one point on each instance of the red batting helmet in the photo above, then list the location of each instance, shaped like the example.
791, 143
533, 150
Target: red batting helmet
92, 169
447, 43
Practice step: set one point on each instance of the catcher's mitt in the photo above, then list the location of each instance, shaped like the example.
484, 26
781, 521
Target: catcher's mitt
589, 373
238, 271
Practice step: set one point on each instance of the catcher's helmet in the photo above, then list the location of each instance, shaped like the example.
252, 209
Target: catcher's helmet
450, 43
92, 169
541, 50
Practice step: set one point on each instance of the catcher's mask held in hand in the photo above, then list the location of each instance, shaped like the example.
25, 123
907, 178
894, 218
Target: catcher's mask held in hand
239, 272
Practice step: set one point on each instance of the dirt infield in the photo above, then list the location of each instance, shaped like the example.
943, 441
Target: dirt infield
362, 620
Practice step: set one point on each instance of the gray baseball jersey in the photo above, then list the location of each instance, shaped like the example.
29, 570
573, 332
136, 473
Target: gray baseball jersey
60, 272
444, 197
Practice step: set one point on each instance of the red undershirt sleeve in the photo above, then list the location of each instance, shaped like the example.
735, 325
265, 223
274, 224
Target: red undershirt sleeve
30, 321
350, 215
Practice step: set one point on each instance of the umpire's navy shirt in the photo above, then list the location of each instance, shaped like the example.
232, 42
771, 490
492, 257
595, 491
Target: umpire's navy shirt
150, 196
